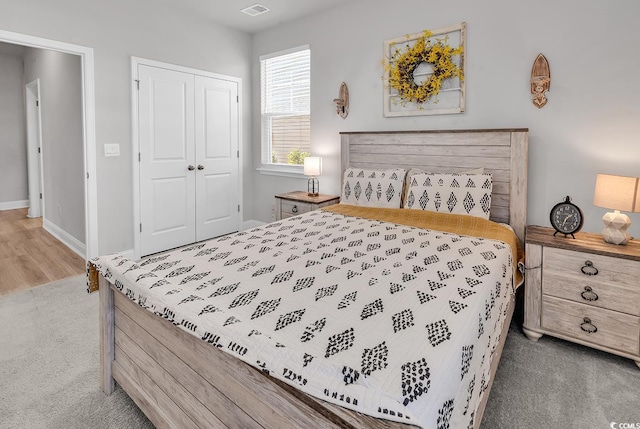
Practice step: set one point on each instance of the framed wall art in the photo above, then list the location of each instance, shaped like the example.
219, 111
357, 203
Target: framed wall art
424, 73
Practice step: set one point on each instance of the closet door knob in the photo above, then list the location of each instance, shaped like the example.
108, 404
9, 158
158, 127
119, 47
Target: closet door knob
191, 168
200, 167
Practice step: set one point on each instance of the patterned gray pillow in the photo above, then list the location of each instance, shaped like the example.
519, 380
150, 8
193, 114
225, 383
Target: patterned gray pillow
372, 188
468, 194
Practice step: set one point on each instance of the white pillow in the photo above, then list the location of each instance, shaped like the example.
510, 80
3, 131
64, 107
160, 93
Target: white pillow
372, 188
459, 193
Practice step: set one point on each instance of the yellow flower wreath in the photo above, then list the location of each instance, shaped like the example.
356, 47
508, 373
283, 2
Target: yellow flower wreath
403, 63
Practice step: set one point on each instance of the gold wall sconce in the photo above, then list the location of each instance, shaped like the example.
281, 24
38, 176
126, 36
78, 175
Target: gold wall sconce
540, 80
342, 102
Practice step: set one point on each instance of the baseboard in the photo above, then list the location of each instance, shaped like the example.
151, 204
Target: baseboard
248, 224
12, 205
65, 238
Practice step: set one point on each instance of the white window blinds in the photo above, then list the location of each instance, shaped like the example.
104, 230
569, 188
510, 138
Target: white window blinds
285, 107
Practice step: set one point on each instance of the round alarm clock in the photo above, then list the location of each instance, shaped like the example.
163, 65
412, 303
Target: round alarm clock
566, 218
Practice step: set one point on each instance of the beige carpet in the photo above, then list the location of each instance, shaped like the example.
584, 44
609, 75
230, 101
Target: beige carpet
49, 362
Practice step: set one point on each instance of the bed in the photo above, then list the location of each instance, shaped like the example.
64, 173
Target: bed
183, 374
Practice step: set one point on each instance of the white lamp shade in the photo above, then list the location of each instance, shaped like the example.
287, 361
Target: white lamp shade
617, 193
312, 166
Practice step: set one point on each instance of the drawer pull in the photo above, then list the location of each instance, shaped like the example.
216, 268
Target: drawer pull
587, 326
589, 294
294, 209
588, 269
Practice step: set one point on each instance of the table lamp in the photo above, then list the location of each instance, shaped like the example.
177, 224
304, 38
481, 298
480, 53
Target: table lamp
313, 167
618, 193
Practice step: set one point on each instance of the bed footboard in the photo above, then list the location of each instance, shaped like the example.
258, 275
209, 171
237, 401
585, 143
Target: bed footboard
178, 380
107, 340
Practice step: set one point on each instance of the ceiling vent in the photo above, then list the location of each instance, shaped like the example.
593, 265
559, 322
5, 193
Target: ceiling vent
256, 9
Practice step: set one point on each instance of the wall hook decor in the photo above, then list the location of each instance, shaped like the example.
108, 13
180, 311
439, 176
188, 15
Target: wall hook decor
540, 80
342, 102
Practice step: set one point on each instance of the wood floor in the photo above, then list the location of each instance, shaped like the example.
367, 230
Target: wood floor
30, 256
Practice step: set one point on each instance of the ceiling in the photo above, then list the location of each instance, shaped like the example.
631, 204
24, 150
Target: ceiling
227, 12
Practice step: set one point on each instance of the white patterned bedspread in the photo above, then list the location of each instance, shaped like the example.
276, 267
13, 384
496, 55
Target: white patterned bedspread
392, 321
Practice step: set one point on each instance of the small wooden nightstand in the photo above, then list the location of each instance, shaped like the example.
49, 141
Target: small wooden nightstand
298, 202
583, 290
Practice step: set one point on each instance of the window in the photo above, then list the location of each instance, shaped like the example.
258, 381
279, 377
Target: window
285, 107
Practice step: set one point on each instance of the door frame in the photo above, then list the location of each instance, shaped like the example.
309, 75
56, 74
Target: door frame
35, 166
88, 122
135, 62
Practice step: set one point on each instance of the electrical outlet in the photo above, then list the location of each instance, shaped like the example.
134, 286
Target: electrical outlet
273, 212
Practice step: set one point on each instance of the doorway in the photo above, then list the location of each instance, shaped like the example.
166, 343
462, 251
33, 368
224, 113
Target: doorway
34, 149
88, 120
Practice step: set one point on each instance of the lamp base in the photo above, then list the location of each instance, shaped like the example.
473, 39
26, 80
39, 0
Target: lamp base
313, 186
615, 230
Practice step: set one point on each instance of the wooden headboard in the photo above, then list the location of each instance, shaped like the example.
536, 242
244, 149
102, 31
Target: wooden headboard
502, 152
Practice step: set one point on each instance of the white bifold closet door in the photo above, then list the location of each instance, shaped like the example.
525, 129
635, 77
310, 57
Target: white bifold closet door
188, 131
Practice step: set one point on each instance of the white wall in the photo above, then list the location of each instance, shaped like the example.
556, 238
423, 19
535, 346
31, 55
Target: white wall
13, 141
117, 30
62, 130
590, 124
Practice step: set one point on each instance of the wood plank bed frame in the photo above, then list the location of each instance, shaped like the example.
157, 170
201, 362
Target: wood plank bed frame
180, 381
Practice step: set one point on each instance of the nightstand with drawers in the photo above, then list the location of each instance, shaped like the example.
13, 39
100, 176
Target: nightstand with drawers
583, 290
299, 202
